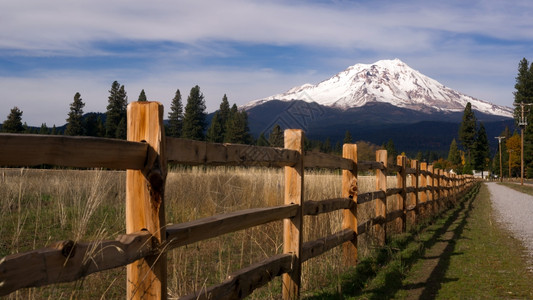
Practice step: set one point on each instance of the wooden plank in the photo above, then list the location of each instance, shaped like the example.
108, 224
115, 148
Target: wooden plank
81, 152
431, 191
394, 168
370, 165
349, 216
401, 182
191, 152
68, 261
145, 208
323, 160
422, 191
313, 208
364, 227
438, 191
394, 191
410, 171
315, 248
394, 215
370, 196
242, 283
411, 189
190, 232
412, 216
292, 227
381, 203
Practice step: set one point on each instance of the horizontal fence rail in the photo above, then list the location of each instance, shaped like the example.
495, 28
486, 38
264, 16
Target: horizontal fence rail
67, 151
145, 156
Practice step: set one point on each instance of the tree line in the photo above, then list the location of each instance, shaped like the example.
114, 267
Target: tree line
228, 124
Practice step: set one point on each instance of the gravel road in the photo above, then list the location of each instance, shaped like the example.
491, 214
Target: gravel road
515, 210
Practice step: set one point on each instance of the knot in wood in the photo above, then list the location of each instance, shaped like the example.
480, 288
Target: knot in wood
67, 247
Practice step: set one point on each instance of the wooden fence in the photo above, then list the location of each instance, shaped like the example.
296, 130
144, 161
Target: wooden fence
147, 239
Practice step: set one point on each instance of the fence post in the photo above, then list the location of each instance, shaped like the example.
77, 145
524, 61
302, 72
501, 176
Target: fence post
414, 196
381, 204
447, 191
349, 190
422, 184
401, 180
147, 278
431, 197
292, 228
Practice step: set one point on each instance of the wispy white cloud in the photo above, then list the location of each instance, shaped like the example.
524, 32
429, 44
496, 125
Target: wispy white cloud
56, 25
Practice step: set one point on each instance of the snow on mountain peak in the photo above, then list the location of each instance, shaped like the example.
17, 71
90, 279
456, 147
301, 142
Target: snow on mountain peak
389, 81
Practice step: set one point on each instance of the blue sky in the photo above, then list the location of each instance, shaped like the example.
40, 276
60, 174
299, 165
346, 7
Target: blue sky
49, 50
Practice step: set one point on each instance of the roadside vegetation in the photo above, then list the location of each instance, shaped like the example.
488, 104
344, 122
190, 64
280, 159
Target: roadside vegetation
465, 254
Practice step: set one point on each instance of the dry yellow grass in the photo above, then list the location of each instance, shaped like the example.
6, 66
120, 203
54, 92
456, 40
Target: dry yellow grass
39, 207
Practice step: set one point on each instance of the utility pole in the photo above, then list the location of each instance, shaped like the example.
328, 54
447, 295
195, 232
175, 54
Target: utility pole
500, 138
522, 123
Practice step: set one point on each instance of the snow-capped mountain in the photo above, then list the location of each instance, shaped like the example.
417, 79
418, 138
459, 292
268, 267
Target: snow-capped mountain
386, 81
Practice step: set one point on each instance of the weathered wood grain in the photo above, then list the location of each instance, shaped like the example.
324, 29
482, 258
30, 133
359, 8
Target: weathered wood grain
370, 165
323, 160
313, 208
243, 282
370, 196
381, 203
190, 232
191, 152
18, 150
145, 206
315, 248
292, 227
68, 261
349, 215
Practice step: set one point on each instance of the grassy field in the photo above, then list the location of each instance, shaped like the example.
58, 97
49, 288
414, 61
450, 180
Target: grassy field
39, 207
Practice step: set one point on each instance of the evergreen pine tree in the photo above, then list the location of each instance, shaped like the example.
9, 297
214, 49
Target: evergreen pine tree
338, 148
454, 157
215, 132
142, 96
467, 131
44, 129
276, 137
326, 146
194, 117
237, 130
90, 125
524, 85
224, 111
54, 130
262, 141
236, 127
524, 94
481, 150
75, 117
175, 116
100, 127
116, 112
419, 156
348, 137
391, 149
27, 129
13, 123
121, 132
